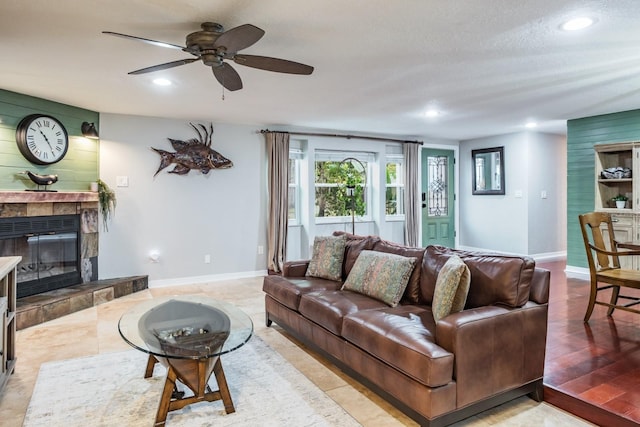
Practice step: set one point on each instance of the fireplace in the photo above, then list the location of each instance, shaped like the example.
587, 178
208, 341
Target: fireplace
50, 251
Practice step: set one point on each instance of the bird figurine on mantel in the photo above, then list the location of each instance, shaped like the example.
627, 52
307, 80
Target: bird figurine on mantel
40, 180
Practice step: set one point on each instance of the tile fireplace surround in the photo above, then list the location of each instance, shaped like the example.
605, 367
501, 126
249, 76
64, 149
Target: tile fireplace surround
47, 306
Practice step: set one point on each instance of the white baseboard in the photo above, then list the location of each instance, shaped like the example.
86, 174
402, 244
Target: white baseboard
194, 280
550, 256
542, 257
577, 272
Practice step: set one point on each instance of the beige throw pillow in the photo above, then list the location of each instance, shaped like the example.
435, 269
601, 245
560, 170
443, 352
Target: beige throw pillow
326, 261
452, 287
380, 275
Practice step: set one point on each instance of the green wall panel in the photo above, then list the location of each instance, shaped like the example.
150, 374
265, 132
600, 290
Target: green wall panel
582, 134
79, 167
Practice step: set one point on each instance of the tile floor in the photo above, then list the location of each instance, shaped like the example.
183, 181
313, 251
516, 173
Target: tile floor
94, 330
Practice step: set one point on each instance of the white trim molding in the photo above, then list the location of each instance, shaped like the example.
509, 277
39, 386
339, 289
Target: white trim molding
573, 272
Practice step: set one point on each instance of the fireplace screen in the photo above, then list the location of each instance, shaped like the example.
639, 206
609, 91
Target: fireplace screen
49, 248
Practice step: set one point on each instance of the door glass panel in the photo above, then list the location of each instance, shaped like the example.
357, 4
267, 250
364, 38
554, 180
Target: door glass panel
437, 190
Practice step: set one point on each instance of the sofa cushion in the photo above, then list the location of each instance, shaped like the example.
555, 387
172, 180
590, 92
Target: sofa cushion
328, 254
452, 287
495, 278
288, 291
412, 292
328, 308
403, 337
380, 275
355, 245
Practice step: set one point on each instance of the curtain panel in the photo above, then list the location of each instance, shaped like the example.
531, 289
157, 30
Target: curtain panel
278, 187
412, 194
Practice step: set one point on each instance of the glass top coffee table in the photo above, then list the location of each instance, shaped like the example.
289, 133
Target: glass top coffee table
187, 334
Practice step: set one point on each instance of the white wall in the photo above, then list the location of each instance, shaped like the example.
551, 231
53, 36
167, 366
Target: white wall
185, 217
548, 173
525, 224
223, 214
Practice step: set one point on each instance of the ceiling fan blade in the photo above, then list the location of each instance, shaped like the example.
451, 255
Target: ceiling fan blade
153, 42
164, 66
227, 76
273, 64
239, 38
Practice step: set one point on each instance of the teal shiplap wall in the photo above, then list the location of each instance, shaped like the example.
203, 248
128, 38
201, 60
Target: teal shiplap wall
80, 165
582, 134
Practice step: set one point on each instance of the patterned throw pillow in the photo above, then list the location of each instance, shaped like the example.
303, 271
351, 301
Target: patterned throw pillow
326, 262
382, 276
452, 287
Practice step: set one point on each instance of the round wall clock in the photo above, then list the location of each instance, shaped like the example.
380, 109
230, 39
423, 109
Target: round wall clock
42, 139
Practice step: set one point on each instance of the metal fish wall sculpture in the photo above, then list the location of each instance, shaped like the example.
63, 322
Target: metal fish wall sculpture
193, 154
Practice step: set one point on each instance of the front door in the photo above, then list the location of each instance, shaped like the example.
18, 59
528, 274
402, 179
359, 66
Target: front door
438, 198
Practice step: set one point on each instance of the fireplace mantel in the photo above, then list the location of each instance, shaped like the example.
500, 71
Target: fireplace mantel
47, 196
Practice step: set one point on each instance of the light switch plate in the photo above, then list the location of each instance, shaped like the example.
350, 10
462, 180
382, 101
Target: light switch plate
122, 181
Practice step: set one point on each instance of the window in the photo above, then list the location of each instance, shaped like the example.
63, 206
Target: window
294, 186
394, 171
341, 184
437, 186
480, 173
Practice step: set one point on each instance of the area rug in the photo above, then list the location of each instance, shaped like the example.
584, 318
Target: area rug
109, 390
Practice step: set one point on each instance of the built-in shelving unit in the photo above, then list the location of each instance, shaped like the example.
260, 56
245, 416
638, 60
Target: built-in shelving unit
626, 221
8, 315
611, 156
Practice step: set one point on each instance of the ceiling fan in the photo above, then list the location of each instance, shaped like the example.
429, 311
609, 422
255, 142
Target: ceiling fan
214, 46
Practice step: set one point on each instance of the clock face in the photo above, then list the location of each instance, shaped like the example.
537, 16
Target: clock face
42, 139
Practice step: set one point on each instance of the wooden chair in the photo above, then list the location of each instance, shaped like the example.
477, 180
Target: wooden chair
604, 263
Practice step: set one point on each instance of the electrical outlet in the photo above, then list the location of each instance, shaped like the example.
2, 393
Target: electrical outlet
260, 249
207, 259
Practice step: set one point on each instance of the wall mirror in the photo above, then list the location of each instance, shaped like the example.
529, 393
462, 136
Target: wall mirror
488, 171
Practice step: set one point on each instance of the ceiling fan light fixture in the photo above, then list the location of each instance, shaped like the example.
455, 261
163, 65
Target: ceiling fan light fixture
576, 24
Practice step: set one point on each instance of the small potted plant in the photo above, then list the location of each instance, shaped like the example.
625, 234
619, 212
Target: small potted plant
621, 201
107, 202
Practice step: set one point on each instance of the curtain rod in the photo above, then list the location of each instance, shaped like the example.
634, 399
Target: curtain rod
338, 135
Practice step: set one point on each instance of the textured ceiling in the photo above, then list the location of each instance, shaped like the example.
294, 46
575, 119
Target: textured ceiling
489, 66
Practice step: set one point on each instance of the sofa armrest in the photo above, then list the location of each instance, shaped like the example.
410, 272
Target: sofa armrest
295, 268
495, 348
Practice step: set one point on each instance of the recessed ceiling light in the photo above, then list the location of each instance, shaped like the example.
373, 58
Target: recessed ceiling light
531, 125
162, 82
432, 113
577, 23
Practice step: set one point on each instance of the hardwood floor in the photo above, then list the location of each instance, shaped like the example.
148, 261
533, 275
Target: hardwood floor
591, 369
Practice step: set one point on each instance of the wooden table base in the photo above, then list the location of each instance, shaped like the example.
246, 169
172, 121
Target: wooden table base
194, 374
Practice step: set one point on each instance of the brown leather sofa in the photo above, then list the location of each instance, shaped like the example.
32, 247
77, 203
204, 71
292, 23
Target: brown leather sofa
437, 373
